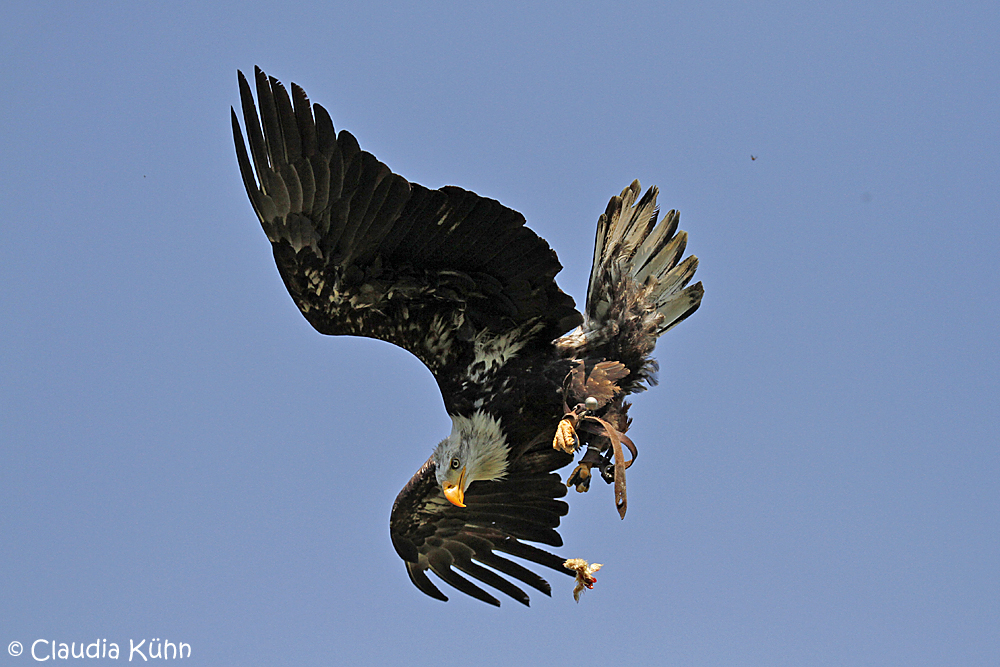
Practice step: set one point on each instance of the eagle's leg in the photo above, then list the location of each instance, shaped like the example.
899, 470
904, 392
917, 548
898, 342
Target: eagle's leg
604, 450
581, 475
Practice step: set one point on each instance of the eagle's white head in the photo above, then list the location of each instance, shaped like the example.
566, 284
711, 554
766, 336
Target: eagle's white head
476, 450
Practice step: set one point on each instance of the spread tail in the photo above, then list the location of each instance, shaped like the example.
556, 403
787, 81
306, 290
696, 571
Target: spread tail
638, 285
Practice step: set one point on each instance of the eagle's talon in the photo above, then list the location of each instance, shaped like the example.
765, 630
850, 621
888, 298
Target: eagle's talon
566, 439
580, 478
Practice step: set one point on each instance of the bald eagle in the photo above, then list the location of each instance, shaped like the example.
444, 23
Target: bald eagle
459, 281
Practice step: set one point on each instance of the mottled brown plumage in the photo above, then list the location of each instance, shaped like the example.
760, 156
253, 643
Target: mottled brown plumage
459, 281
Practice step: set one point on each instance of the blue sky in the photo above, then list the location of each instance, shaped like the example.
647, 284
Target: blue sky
182, 457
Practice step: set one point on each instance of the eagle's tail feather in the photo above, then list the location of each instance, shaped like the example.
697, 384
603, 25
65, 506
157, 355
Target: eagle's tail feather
638, 285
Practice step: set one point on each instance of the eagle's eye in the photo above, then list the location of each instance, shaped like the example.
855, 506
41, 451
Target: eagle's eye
455, 463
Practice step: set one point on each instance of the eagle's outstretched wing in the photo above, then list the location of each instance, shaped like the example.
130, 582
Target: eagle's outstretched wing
428, 532
364, 252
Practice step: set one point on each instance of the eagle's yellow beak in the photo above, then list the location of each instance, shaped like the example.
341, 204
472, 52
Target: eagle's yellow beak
455, 492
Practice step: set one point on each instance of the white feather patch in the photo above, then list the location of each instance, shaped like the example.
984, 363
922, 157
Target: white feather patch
492, 352
478, 443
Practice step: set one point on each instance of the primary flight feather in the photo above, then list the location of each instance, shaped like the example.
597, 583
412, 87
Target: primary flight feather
460, 281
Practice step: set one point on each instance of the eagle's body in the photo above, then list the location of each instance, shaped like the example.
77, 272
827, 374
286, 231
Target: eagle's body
459, 281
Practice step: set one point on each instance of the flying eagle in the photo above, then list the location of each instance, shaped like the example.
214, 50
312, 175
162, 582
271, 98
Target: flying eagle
460, 281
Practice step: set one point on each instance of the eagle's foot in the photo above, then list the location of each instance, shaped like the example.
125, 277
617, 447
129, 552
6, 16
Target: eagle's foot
605, 452
566, 439
580, 478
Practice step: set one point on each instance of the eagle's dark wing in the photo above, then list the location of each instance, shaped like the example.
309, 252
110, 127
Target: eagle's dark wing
366, 253
428, 532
